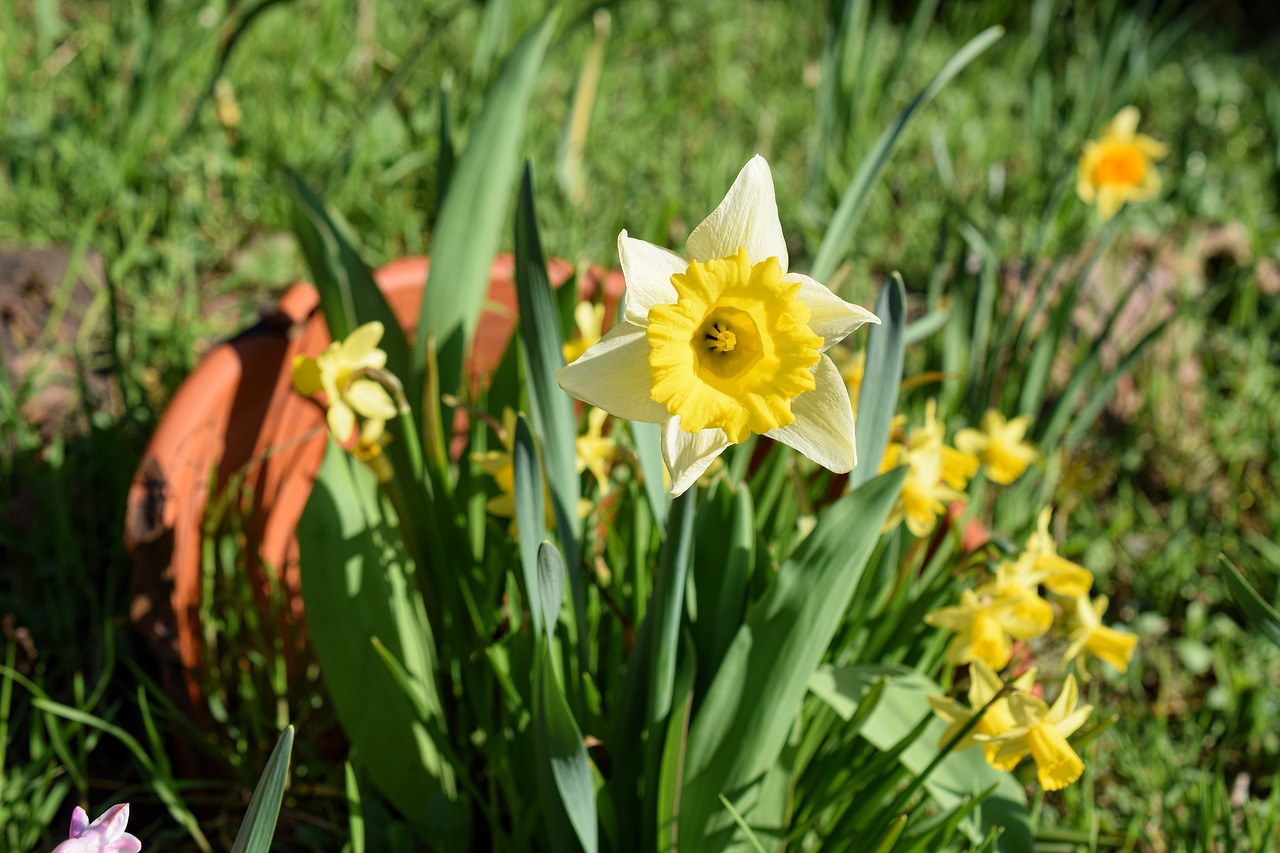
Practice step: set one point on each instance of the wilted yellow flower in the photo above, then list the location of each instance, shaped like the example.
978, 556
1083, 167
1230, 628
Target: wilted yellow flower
1041, 561
1120, 166
1042, 732
984, 684
596, 450
999, 446
983, 629
726, 344
588, 319
1090, 635
341, 372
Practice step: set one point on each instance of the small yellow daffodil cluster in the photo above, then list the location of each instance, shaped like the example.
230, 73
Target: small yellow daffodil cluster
595, 453
351, 375
936, 474
1009, 605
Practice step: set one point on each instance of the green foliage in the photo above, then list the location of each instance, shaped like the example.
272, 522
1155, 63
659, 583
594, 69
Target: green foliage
465, 694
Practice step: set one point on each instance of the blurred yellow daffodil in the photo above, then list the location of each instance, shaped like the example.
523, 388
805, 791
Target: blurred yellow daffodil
1041, 560
1042, 732
595, 449
999, 446
984, 684
983, 629
725, 344
1119, 167
588, 321
1019, 588
936, 474
341, 372
1091, 636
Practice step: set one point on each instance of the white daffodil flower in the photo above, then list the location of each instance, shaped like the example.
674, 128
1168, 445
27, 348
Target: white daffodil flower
726, 343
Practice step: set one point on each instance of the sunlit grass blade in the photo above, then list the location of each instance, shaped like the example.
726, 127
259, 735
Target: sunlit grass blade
1101, 395
844, 222
1263, 616
472, 216
259, 825
878, 396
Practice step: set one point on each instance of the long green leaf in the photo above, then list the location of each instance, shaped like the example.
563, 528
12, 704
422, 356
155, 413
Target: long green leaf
259, 825
734, 741
667, 607
559, 740
1260, 613
531, 512
356, 585
541, 338
349, 296
844, 222
878, 396
472, 216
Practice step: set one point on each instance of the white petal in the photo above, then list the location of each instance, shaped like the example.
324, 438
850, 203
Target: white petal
689, 454
823, 428
614, 375
748, 216
830, 316
647, 269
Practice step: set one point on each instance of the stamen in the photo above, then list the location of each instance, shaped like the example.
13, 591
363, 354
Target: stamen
722, 339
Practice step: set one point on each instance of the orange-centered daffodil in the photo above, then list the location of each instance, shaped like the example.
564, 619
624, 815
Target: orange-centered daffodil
1120, 166
725, 344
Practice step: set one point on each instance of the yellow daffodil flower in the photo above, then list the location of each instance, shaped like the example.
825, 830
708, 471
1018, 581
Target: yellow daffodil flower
999, 446
1041, 560
589, 321
1042, 732
596, 450
725, 344
341, 372
984, 684
958, 465
1120, 166
1020, 588
935, 475
983, 629
1106, 644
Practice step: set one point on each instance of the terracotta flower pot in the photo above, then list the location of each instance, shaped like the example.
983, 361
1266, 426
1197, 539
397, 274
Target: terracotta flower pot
237, 421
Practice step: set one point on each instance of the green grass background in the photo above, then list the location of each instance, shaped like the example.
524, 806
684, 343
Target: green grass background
109, 139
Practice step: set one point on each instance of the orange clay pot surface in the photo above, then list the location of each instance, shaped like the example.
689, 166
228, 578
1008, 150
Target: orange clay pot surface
235, 426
